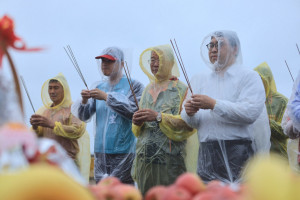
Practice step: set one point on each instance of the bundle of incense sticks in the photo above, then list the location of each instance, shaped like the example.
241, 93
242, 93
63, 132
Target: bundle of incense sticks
181, 64
126, 69
24, 85
289, 70
75, 64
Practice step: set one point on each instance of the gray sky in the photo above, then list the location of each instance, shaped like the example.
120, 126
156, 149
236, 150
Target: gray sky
268, 31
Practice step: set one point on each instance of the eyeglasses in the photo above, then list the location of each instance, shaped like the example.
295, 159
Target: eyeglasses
152, 61
210, 46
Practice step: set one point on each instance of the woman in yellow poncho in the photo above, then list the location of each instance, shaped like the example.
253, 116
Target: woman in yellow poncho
161, 133
276, 104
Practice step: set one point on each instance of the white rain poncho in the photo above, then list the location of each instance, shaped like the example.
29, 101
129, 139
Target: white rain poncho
67, 127
160, 150
291, 126
226, 133
114, 147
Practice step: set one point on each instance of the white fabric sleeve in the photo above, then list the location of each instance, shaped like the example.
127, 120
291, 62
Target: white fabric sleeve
193, 121
249, 105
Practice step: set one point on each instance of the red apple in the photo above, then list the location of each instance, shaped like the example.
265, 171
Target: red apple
226, 193
109, 182
207, 195
191, 182
127, 192
214, 185
174, 192
103, 192
156, 193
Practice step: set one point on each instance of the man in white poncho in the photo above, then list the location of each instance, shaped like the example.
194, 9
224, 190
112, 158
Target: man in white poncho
224, 107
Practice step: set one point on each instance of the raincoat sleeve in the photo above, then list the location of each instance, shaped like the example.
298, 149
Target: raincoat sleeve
175, 128
125, 105
73, 130
84, 111
136, 130
192, 121
288, 128
295, 109
249, 105
39, 130
277, 130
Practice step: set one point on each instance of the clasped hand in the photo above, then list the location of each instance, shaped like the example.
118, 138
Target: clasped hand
39, 120
144, 115
197, 102
94, 93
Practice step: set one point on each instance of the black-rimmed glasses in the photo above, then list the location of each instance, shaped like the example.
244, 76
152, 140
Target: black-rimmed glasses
211, 45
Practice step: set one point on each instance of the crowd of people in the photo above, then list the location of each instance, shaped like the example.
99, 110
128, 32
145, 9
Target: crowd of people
150, 135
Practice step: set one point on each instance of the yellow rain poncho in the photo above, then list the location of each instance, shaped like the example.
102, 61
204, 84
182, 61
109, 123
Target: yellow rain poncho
68, 129
160, 149
276, 104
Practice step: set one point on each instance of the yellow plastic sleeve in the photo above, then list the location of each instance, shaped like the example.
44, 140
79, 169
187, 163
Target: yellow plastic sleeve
175, 128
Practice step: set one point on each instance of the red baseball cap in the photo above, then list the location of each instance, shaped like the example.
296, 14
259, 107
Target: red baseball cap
109, 57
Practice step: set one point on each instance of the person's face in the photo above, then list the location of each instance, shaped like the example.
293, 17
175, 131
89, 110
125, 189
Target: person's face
154, 62
107, 66
220, 50
56, 92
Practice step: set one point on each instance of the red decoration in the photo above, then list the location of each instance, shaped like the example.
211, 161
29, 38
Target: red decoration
9, 39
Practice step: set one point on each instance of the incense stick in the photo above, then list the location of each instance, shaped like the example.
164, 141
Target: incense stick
289, 69
24, 85
297, 48
181, 65
126, 69
75, 64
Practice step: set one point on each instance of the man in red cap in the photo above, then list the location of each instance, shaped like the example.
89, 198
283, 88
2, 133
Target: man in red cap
113, 103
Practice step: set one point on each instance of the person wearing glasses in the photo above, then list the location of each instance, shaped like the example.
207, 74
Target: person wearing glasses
113, 104
224, 108
160, 131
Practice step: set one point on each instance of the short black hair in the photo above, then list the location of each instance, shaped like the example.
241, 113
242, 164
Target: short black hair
232, 41
53, 81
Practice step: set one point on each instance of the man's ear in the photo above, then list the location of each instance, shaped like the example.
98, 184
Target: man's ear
122, 64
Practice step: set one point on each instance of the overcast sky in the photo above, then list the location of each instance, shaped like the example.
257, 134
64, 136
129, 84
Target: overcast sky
268, 31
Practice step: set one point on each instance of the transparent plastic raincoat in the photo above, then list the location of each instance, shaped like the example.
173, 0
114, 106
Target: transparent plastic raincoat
67, 128
276, 104
291, 126
226, 132
10, 110
160, 149
114, 145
